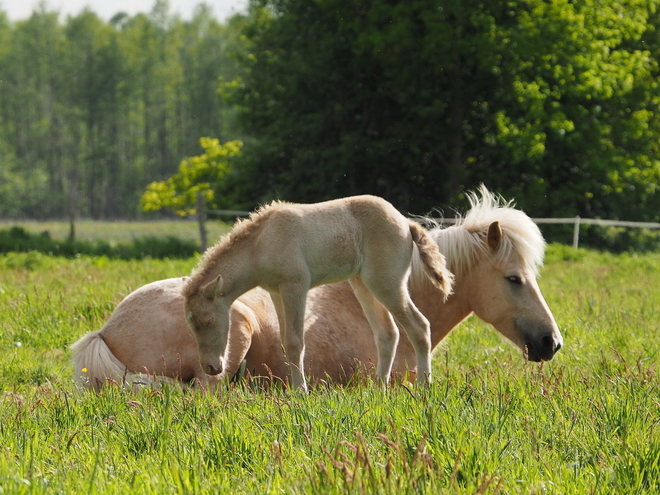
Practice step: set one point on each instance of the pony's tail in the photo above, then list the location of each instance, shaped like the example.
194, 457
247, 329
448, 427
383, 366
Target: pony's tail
433, 261
94, 363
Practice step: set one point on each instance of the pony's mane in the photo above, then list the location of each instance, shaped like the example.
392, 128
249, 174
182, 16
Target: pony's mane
464, 242
243, 229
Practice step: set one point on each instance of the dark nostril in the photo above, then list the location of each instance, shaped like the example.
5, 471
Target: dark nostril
549, 342
214, 370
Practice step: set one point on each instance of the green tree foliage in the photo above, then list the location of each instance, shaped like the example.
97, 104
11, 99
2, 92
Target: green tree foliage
93, 111
552, 102
584, 130
203, 173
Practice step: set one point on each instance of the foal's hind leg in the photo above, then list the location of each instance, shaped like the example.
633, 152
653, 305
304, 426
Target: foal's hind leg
386, 334
397, 301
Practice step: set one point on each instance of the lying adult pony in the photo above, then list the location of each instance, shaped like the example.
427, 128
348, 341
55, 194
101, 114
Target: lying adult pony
288, 248
495, 252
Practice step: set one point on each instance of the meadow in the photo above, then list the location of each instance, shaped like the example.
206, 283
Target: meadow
587, 422
120, 231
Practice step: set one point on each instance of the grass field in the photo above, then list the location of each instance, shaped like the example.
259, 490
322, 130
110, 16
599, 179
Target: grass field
121, 231
587, 422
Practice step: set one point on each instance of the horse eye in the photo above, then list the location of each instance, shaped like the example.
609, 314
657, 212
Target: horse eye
209, 322
514, 279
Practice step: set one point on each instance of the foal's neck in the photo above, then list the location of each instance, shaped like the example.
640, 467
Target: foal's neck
236, 269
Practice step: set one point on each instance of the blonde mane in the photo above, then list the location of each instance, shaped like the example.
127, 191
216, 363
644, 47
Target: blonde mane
244, 228
463, 243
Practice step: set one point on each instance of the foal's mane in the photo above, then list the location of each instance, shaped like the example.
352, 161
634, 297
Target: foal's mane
464, 243
243, 229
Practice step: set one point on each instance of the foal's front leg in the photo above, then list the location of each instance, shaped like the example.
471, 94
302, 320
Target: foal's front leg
293, 299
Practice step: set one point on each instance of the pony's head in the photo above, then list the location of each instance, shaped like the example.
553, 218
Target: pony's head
495, 252
208, 318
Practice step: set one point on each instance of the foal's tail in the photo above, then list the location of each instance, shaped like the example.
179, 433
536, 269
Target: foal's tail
94, 365
433, 261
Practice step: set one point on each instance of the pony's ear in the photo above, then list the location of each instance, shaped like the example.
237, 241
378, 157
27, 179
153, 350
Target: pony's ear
213, 288
494, 237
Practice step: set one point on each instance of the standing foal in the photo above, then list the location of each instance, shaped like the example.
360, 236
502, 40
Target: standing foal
289, 248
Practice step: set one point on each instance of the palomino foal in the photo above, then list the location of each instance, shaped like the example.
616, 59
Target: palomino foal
289, 248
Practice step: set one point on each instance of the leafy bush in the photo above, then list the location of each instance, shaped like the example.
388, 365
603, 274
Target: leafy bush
17, 239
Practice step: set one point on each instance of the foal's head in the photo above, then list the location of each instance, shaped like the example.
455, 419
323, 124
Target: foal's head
208, 318
207, 305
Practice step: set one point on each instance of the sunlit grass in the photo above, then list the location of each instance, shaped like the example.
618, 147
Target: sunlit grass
587, 422
122, 231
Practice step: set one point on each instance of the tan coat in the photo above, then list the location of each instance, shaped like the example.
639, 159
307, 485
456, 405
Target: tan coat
495, 253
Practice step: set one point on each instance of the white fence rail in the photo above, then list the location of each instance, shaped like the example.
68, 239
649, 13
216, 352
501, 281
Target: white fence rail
575, 221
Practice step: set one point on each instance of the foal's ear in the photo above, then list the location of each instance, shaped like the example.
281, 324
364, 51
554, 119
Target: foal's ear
494, 237
213, 288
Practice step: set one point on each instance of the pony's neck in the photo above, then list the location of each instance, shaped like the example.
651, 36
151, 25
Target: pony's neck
443, 317
455, 244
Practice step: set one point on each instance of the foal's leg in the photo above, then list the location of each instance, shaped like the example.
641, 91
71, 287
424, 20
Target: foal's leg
397, 301
279, 311
386, 334
294, 297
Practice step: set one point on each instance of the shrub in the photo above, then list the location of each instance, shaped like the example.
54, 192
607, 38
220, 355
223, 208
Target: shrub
17, 239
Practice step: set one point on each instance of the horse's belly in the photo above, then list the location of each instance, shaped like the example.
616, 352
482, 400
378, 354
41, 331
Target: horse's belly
336, 273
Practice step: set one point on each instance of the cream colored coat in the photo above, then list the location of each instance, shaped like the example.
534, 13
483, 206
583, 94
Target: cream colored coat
495, 252
288, 248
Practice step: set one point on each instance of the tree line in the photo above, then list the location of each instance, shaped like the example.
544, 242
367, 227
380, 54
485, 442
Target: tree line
552, 102
92, 111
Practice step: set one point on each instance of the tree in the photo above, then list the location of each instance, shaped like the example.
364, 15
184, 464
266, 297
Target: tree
91, 112
552, 102
577, 120
198, 174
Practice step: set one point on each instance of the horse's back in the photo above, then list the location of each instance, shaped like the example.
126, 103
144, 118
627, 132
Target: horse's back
322, 240
147, 332
334, 238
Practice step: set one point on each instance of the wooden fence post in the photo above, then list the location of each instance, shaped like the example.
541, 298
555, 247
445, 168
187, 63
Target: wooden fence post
201, 219
576, 232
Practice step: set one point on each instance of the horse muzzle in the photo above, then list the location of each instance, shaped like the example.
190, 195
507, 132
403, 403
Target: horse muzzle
542, 348
212, 369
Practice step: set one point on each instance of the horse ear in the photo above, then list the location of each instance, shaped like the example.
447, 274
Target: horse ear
213, 288
494, 237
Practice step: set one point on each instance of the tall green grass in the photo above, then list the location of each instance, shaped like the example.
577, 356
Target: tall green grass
117, 240
587, 422
120, 231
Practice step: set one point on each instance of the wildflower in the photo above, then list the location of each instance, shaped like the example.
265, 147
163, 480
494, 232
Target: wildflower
84, 370
18, 344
